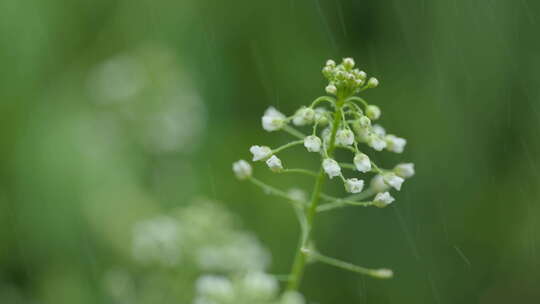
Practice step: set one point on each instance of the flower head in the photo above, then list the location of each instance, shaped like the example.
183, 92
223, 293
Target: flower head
383, 199
242, 169
274, 163
331, 167
273, 120
260, 152
354, 185
312, 143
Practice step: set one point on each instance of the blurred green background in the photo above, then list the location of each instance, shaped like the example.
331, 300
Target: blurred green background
112, 110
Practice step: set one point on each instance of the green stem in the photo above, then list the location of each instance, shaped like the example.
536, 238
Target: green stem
272, 190
300, 257
286, 146
293, 132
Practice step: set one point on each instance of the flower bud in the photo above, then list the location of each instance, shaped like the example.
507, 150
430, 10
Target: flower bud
364, 121
331, 89
354, 185
383, 199
260, 152
393, 180
331, 167
312, 143
373, 82
274, 163
348, 63
242, 169
373, 112
395, 144
344, 137
362, 162
405, 170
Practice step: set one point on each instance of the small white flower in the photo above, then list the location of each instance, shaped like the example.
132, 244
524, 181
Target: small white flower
348, 63
373, 112
331, 89
377, 184
292, 297
373, 82
330, 63
259, 285
215, 287
331, 167
274, 163
394, 143
313, 143
354, 185
393, 180
320, 115
260, 152
379, 130
364, 121
304, 116
273, 120
383, 199
242, 169
298, 195
404, 170
344, 137
362, 162
376, 142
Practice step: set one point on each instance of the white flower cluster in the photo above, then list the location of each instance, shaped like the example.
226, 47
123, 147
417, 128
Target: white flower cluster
201, 234
254, 287
355, 117
344, 79
200, 239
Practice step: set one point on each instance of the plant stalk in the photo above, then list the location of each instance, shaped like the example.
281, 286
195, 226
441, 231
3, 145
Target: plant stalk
299, 263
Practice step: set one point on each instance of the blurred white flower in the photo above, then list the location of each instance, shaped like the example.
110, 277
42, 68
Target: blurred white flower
376, 142
393, 180
377, 184
272, 119
304, 116
215, 287
157, 240
259, 286
373, 112
379, 130
242, 169
395, 144
405, 170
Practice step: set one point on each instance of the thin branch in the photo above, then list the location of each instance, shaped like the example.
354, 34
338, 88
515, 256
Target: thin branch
376, 273
293, 132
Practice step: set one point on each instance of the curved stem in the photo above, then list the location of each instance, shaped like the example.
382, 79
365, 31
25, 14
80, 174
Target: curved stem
293, 132
286, 146
300, 257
